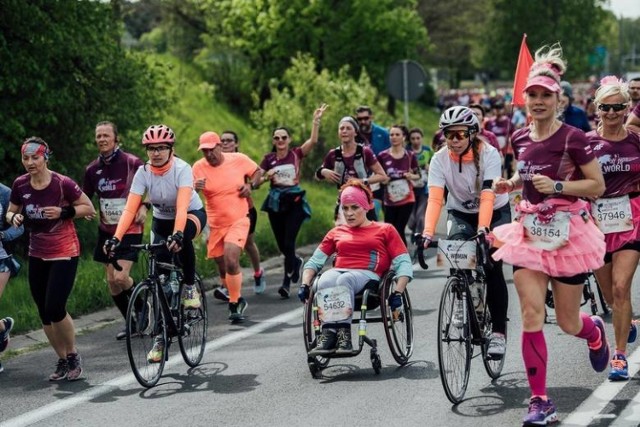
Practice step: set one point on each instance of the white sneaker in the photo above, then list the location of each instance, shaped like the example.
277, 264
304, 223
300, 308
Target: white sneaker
497, 345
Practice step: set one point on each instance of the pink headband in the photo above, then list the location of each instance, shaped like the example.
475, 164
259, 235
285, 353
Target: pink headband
356, 196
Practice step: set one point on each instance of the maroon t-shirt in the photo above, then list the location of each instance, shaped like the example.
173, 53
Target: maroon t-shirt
395, 169
619, 161
50, 238
287, 169
491, 138
368, 157
559, 157
636, 110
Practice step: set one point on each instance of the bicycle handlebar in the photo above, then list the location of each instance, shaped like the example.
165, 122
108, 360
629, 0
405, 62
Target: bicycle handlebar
150, 247
419, 239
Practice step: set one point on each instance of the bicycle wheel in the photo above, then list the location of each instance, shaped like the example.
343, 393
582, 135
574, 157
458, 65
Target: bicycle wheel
398, 324
145, 325
454, 343
493, 366
192, 326
309, 319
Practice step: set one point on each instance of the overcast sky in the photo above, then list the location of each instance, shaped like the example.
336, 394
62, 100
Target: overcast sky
626, 8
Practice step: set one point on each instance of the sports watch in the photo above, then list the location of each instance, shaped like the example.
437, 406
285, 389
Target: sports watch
558, 187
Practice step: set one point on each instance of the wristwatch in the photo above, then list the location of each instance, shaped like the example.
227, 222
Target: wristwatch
557, 187
366, 181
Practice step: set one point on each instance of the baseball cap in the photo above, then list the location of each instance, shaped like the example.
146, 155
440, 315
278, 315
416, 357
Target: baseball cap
208, 141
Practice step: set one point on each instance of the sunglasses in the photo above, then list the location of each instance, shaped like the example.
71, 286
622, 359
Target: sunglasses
615, 107
158, 149
280, 138
456, 134
363, 119
227, 140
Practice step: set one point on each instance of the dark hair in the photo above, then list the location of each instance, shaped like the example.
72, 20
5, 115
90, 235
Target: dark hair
479, 107
273, 132
113, 126
235, 137
363, 109
403, 128
635, 79
416, 130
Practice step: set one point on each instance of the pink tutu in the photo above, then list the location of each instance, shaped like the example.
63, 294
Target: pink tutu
583, 252
617, 240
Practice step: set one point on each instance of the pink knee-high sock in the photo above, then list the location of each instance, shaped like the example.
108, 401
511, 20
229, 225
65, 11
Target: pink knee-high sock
534, 355
589, 331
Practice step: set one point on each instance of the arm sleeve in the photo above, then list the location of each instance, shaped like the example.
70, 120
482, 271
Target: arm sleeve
434, 207
402, 266
182, 205
317, 260
128, 215
485, 212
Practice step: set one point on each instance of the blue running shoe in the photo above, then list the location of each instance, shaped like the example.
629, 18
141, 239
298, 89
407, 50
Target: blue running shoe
619, 368
633, 332
4, 335
600, 357
541, 413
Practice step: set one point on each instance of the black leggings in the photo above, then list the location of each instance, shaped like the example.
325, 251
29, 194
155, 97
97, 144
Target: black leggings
163, 228
286, 226
50, 283
398, 216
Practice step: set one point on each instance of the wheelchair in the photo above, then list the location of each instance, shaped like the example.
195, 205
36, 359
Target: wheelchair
398, 325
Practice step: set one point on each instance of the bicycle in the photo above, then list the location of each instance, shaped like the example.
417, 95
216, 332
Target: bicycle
154, 315
471, 326
588, 296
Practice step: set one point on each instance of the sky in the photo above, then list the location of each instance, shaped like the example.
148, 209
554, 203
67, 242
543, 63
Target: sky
625, 8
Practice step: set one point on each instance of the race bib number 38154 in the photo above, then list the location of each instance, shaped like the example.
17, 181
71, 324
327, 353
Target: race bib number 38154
548, 236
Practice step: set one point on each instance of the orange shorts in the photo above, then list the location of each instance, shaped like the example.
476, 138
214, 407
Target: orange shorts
235, 233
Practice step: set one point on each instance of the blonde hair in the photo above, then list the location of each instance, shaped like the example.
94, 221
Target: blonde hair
548, 62
611, 88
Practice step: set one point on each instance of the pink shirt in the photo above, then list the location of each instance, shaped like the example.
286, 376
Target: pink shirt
395, 169
619, 161
287, 169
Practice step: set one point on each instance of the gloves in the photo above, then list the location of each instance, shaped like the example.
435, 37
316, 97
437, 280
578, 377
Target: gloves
395, 301
111, 245
303, 293
176, 238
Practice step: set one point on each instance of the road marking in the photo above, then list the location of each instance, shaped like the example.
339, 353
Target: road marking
631, 414
588, 411
48, 411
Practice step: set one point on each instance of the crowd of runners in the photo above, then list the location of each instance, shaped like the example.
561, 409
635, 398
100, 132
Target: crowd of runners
575, 163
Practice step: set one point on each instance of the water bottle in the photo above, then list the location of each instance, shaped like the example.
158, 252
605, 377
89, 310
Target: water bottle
166, 286
175, 289
476, 295
362, 328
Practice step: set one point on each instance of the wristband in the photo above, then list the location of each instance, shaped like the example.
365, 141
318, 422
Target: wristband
319, 173
67, 212
13, 215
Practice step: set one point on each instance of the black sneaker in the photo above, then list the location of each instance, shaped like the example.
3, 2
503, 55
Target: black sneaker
236, 310
221, 293
61, 371
295, 276
74, 367
284, 289
121, 335
4, 335
326, 344
344, 341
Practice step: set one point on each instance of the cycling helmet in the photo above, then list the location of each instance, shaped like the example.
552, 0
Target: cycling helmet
463, 116
157, 134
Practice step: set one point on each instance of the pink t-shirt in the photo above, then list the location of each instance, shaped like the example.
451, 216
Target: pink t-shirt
287, 169
395, 169
49, 238
619, 161
365, 248
558, 157
368, 157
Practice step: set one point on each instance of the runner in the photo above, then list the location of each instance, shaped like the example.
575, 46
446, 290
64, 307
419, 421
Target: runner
423, 155
466, 167
618, 212
222, 178
178, 213
50, 201
286, 203
500, 126
7, 263
110, 177
554, 238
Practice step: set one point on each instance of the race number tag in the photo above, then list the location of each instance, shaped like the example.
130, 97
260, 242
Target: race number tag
285, 175
613, 215
111, 210
334, 304
548, 237
502, 141
398, 190
456, 254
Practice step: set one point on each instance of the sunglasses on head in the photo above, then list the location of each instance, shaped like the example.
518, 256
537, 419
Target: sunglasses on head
280, 138
614, 107
456, 134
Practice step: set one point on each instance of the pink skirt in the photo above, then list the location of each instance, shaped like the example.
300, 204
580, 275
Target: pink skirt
583, 252
615, 241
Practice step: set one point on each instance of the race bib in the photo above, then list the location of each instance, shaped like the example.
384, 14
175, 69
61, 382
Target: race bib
548, 237
334, 304
285, 175
613, 215
456, 254
375, 186
398, 190
502, 141
111, 210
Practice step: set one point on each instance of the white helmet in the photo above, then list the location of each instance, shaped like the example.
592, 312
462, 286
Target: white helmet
459, 116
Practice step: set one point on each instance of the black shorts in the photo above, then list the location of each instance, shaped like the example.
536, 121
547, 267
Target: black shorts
253, 219
632, 246
578, 279
128, 239
463, 226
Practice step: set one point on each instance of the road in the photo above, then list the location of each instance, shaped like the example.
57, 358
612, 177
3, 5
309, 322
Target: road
256, 374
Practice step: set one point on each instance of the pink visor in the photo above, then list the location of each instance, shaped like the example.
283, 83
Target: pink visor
545, 82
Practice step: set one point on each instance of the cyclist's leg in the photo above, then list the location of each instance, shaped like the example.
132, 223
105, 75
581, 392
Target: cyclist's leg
196, 221
497, 294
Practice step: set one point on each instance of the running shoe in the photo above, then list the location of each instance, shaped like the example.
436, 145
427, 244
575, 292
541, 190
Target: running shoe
284, 289
261, 282
190, 297
619, 368
600, 357
344, 341
74, 366
221, 293
4, 335
121, 335
60, 372
236, 310
497, 345
297, 269
156, 354
633, 332
541, 413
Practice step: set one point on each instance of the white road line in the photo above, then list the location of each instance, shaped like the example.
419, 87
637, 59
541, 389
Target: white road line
48, 411
588, 411
630, 417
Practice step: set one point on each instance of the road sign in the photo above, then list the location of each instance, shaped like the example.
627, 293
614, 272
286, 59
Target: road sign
406, 82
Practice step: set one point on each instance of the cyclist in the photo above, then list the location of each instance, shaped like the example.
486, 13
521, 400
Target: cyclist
7, 270
110, 176
47, 202
466, 167
355, 244
618, 152
401, 167
178, 213
286, 203
222, 178
556, 167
